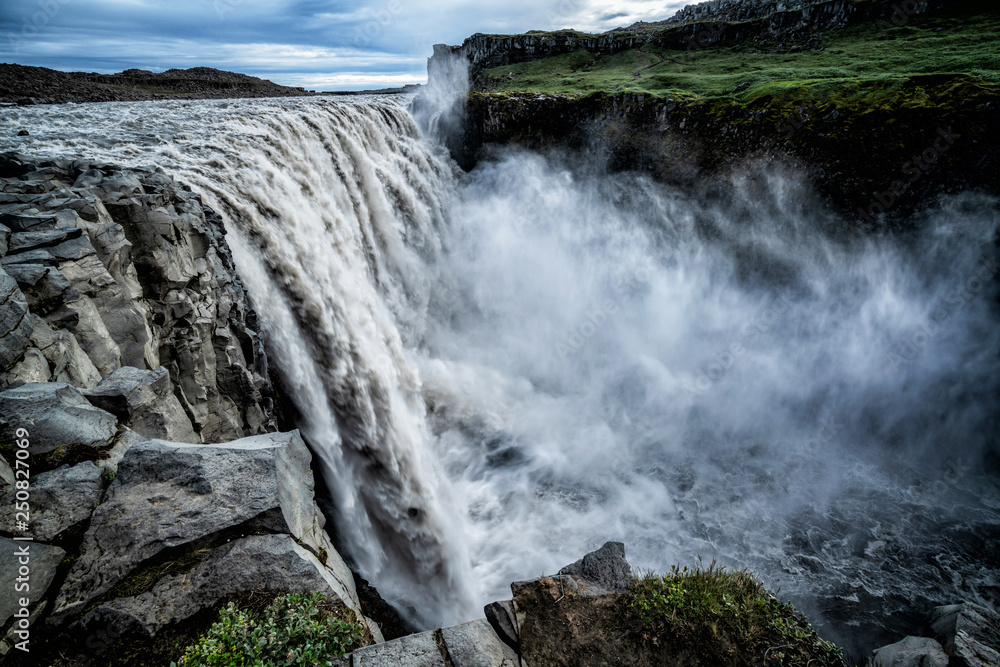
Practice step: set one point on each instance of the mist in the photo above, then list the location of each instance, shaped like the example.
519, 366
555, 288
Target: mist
500, 370
743, 380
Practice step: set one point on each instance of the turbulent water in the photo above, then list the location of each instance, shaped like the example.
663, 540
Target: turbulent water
502, 370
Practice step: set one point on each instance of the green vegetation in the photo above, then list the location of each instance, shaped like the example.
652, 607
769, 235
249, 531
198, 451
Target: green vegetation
862, 60
729, 612
294, 631
142, 579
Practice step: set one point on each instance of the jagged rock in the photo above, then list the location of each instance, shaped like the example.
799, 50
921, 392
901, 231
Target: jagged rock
419, 650
68, 363
15, 328
32, 368
43, 561
969, 633
6, 475
603, 571
168, 496
912, 652
475, 644
55, 415
81, 236
145, 402
264, 562
12, 638
60, 499
4, 240
502, 617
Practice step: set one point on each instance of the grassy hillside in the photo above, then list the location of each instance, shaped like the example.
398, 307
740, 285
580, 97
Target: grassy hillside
862, 60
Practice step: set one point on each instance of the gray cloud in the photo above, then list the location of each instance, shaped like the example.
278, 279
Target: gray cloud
321, 44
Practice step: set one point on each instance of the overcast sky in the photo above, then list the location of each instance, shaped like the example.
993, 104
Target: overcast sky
317, 44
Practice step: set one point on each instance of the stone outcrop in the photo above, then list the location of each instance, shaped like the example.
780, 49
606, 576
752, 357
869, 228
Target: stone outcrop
108, 269
171, 498
468, 645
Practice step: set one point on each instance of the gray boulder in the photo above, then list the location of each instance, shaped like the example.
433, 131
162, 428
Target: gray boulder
145, 402
475, 644
263, 562
55, 415
912, 652
60, 499
603, 571
167, 496
419, 650
4, 240
43, 562
969, 633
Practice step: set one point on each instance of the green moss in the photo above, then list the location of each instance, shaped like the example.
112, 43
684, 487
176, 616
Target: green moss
296, 630
729, 612
143, 579
855, 60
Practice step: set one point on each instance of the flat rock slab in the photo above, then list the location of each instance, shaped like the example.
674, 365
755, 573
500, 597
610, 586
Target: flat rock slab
420, 650
262, 562
168, 495
43, 561
24, 241
60, 499
969, 633
55, 415
912, 652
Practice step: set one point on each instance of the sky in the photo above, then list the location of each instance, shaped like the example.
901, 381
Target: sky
315, 44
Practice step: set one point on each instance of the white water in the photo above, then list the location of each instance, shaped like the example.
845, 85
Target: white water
504, 369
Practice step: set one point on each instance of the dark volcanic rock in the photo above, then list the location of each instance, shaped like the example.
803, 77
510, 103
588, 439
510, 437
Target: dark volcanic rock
49, 86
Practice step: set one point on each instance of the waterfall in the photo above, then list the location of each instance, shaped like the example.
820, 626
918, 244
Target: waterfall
502, 369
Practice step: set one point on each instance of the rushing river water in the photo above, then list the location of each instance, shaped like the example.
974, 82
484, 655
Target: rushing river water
501, 370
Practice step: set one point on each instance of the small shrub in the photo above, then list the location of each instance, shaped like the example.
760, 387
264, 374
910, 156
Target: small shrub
728, 610
294, 631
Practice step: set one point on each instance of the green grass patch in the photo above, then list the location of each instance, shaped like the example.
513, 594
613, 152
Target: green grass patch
294, 631
860, 56
730, 613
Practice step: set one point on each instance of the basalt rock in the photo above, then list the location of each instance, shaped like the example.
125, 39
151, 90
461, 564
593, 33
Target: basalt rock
105, 268
60, 500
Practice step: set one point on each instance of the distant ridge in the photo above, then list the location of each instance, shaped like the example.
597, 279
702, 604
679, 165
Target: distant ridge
40, 85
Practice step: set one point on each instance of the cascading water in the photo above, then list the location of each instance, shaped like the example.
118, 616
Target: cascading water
503, 369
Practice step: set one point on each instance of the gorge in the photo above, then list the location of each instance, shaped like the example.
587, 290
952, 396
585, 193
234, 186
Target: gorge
501, 368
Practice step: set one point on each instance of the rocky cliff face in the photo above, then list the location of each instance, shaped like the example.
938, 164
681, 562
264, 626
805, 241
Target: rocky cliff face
866, 162
694, 27
104, 269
